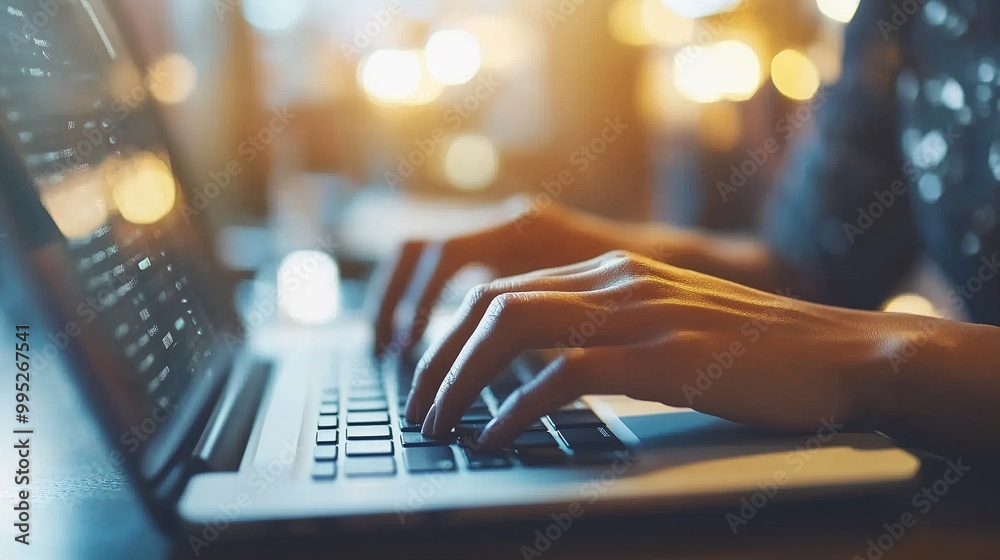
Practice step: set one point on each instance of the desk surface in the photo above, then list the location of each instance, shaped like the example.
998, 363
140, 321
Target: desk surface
84, 508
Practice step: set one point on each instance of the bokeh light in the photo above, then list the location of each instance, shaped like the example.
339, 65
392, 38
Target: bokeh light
794, 75
172, 78
143, 188
728, 70
309, 287
648, 22
274, 15
838, 10
913, 304
471, 162
700, 8
391, 75
453, 56
77, 203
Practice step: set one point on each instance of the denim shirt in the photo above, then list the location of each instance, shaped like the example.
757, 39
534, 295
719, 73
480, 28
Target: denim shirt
903, 161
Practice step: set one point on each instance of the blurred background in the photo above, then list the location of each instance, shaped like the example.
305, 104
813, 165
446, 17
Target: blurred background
357, 123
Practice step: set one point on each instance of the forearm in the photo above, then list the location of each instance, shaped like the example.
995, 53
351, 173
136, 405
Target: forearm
938, 386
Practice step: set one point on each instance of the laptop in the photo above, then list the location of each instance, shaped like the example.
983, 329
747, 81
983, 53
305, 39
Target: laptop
227, 430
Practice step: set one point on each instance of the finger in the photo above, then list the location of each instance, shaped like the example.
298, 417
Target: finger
439, 359
438, 263
523, 321
394, 284
573, 374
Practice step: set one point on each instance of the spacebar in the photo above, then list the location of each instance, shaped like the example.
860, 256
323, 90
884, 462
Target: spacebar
283, 418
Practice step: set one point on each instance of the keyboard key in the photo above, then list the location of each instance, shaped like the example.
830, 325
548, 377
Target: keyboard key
368, 448
366, 393
369, 432
324, 471
328, 422
325, 453
367, 418
537, 427
367, 405
329, 409
429, 459
541, 456
326, 437
331, 394
407, 426
416, 439
481, 417
370, 466
591, 439
576, 418
535, 439
479, 459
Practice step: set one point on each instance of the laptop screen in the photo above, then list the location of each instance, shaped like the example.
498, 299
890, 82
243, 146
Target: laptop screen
78, 108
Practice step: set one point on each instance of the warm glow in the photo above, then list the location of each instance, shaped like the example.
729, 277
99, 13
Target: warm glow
663, 26
720, 126
838, 10
700, 8
172, 78
794, 75
729, 70
76, 203
911, 303
504, 41
453, 56
309, 287
273, 15
143, 189
625, 22
471, 162
392, 76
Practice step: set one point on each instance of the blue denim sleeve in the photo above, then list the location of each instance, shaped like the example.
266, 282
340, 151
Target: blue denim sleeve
840, 213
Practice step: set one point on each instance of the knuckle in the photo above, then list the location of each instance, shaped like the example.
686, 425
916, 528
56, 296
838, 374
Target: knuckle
478, 295
501, 306
617, 255
645, 285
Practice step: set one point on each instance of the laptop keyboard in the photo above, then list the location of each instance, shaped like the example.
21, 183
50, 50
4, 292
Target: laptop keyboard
360, 433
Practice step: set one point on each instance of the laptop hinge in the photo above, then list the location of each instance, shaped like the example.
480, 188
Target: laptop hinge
224, 438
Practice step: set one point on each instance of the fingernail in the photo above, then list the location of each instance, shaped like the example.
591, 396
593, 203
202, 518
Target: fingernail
428, 425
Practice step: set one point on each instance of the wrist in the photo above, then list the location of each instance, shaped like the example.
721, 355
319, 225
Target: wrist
903, 347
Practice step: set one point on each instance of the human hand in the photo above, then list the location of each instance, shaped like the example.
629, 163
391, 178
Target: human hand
536, 238
776, 362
